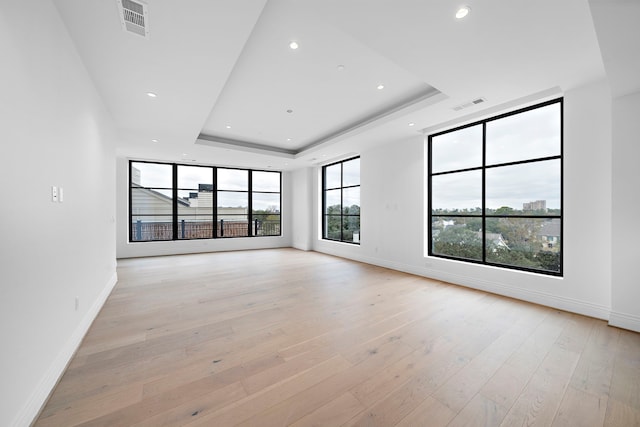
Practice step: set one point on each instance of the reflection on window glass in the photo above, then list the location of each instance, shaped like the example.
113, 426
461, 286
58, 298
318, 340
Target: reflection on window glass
341, 201
506, 209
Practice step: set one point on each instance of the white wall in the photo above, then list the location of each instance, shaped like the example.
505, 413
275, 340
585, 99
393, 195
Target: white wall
54, 131
393, 215
302, 213
125, 249
626, 204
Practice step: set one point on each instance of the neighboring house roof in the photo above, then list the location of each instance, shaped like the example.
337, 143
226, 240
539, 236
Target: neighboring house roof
159, 195
550, 228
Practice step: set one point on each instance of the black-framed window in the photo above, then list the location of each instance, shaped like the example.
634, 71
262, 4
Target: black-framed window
495, 190
341, 201
169, 201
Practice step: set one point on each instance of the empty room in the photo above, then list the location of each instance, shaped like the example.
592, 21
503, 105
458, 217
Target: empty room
320, 213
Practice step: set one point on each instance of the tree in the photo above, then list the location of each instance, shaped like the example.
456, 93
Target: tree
459, 242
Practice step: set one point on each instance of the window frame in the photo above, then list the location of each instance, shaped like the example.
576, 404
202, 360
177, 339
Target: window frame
251, 228
342, 215
484, 216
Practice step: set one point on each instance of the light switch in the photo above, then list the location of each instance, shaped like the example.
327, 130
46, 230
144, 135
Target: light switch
54, 193
61, 194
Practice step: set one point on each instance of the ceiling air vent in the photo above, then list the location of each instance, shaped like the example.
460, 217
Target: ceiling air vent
134, 17
469, 104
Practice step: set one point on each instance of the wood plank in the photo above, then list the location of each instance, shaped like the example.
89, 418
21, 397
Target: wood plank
334, 413
539, 401
579, 408
282, 337
430, 412
480, 411
256, 403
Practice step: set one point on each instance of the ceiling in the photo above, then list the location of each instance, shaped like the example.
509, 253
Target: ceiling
231, 91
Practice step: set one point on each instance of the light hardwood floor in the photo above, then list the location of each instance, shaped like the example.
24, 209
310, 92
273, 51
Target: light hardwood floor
285, 337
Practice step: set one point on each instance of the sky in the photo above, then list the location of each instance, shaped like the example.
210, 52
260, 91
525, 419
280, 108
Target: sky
528, 135
235, 180
350, 172
532, 134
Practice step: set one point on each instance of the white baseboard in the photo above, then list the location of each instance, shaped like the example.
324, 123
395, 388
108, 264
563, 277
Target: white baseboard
562, 303
625, 321
36, 402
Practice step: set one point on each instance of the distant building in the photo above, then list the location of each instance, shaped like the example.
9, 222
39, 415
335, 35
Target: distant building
538, 205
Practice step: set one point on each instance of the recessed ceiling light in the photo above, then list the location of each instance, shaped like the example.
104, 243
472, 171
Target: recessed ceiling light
288, 139
185, 154
154, 140
340, 67
412, 124
228, 126
462, 12
294, 45
151, 95
289, 111
380, 87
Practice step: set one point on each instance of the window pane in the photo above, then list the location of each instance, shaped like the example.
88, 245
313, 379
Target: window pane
351, 228
266, 203
149, 202
195, 177
233, 179
458, 237
341, 201
524, 242
351, 201
233, 218
233, 227
332, 202
233, 201
195, 227
351, 173
332, 224
268, 225
266, 181
332, 176
151, 175
529, 188
151, 228
200, 201
457, 150
528, 135
457, 193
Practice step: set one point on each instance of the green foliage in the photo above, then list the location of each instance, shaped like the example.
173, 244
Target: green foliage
459, 242
459, 237
341, 223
